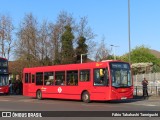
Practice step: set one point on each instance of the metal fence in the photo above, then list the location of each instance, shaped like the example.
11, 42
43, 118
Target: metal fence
153, 84
152, 90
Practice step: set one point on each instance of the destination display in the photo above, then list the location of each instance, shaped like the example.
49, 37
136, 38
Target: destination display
119, 65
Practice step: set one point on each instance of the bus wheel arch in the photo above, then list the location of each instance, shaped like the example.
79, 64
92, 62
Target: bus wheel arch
85, 96
39, 94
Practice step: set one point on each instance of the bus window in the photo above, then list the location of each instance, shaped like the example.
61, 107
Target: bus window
72, 77
39, 78
60, 78
84, 75
26, 77
48, 78
3, 80
33, 78
101, 77
29, 78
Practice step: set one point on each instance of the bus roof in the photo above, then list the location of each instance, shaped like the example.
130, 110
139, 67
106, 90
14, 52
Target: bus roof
71, 66
3, 58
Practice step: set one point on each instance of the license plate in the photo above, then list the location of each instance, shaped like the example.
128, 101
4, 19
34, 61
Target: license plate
123, 98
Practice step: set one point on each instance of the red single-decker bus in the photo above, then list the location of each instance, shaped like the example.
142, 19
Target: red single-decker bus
100, 81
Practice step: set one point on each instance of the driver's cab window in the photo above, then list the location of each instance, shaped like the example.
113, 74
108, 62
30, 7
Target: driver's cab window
101, 77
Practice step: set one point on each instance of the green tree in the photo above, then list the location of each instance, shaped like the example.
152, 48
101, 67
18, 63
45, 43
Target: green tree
142, 54
82, 48
67, 46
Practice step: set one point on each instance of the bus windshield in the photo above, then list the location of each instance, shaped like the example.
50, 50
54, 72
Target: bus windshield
3, 63
3, 80
120, 74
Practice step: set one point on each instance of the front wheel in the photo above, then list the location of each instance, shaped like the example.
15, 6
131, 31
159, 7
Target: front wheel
39, 95
86, 97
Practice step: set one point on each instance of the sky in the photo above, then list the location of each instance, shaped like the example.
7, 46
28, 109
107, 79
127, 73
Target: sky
107, 18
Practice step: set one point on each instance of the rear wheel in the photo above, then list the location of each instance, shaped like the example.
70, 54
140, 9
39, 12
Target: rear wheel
86, 97
39, 95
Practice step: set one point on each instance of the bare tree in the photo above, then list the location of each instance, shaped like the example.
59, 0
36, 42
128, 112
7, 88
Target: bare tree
27, 39
85, 31
6, 39
102, 52
56, 32
55, 43
65, 19
43, 44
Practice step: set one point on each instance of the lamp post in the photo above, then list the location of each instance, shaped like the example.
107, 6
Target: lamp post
129, 42
82, 56
114, 52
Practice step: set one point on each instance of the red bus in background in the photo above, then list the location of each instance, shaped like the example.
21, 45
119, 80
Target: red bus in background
100, 81
4, 86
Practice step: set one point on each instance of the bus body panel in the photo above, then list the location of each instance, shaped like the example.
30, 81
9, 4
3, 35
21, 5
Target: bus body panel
68, 92
4, 89
122, 93
75, 93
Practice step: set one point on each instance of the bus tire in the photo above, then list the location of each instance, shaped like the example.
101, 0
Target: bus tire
86, 97
39, 95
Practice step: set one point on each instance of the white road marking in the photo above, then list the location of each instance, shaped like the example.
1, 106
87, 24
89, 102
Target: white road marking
100, 105
150, 105
4, 100
142, 104
26, 100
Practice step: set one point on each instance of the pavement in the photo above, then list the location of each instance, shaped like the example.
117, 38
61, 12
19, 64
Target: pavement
151, 97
